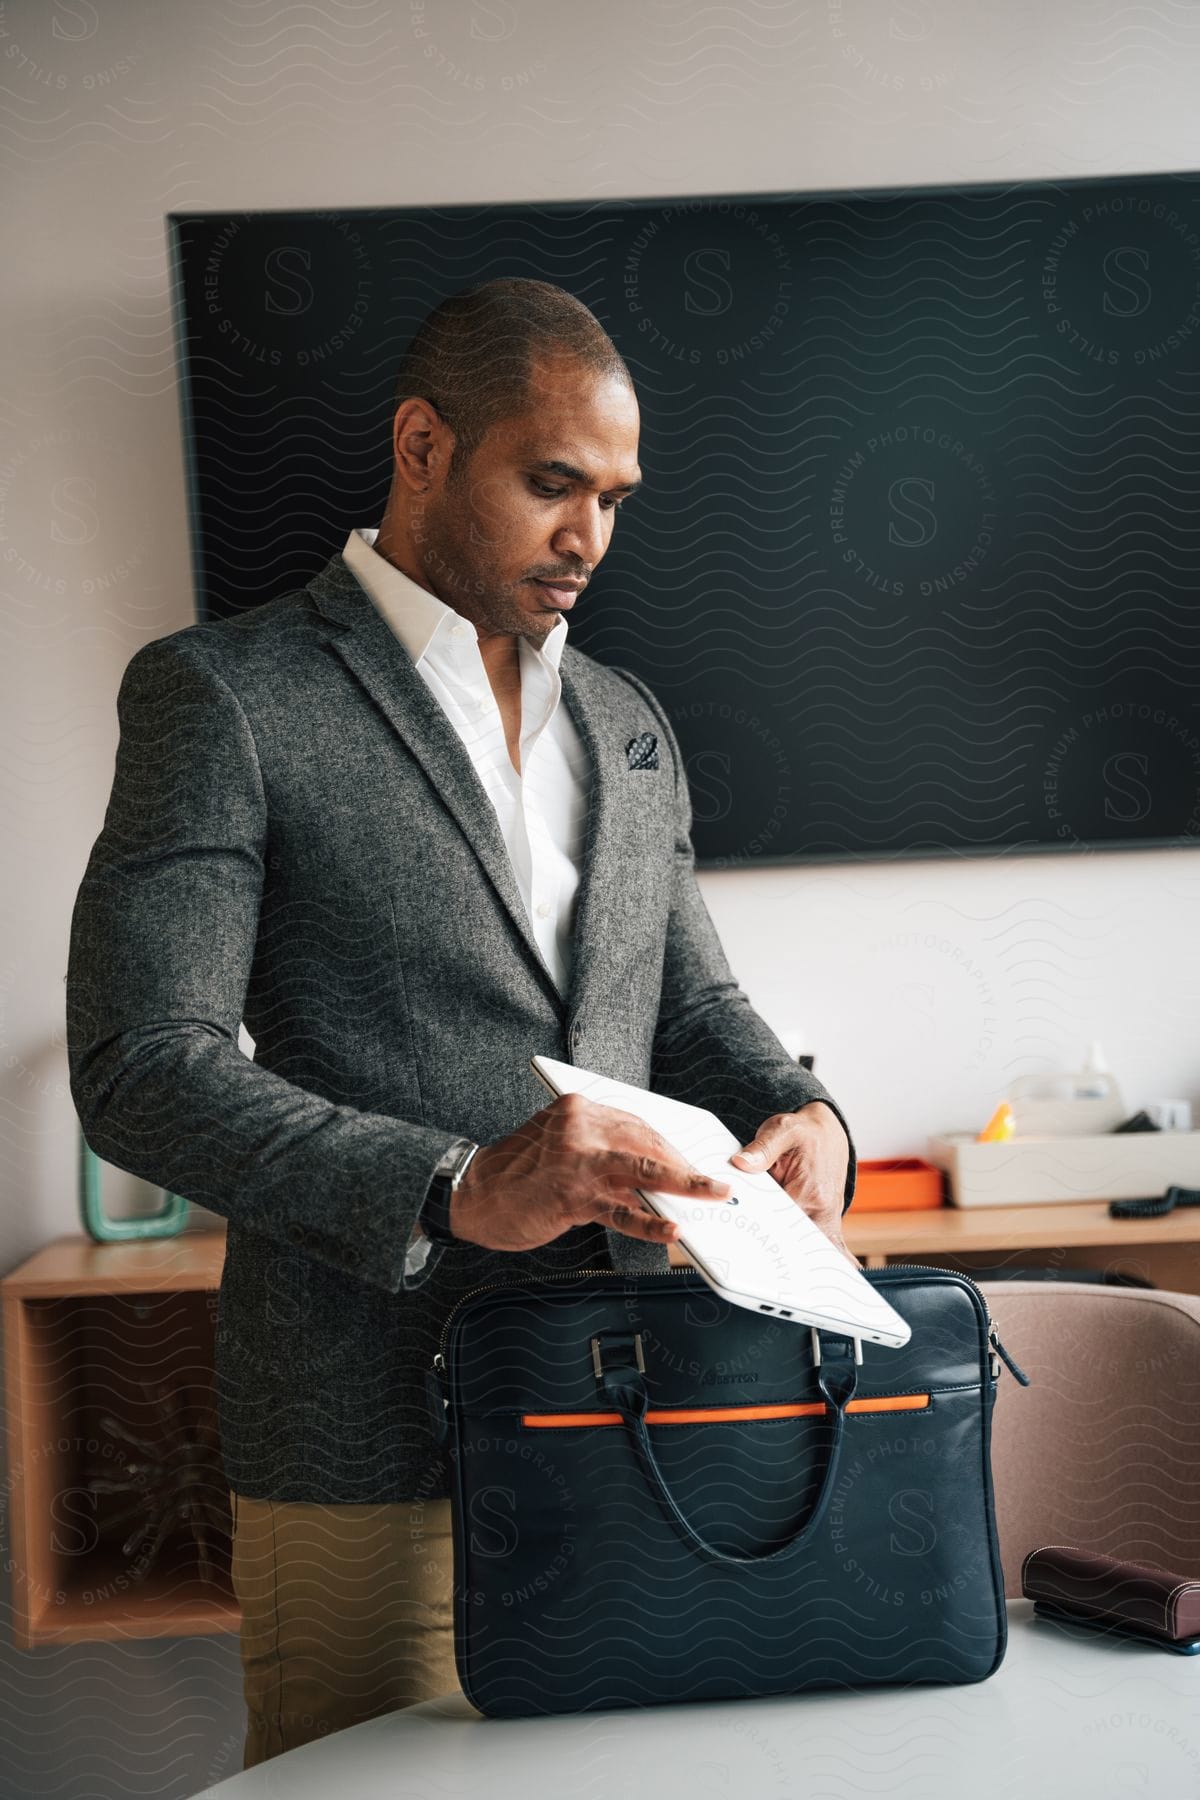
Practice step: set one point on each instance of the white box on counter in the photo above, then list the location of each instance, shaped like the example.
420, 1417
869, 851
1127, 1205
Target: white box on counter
1025, 1171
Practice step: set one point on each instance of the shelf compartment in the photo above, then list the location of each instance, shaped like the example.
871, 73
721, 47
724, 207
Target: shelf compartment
74, 1362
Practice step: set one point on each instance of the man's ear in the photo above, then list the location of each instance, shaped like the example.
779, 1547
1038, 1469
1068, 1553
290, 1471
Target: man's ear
422, 445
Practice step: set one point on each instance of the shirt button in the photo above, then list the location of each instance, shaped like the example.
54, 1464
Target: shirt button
543, 911
458, 631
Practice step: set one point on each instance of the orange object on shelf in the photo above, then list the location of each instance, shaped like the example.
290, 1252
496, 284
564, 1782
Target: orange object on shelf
897, 1184
1001, 1127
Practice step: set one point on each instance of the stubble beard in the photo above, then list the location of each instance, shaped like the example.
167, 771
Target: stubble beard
466, 584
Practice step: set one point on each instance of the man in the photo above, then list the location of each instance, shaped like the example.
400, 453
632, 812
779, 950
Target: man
399, 827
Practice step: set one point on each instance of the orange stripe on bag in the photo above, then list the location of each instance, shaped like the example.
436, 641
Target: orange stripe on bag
700, 1415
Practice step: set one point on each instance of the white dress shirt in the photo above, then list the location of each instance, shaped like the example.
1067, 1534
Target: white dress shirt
542, 811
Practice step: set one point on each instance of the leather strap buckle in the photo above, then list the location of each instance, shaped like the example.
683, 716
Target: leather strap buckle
617, 1338
816, 1346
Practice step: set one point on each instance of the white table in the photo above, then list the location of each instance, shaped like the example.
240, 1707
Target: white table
1067, 1716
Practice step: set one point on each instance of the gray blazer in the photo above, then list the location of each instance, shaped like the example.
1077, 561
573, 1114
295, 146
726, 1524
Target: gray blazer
296, 837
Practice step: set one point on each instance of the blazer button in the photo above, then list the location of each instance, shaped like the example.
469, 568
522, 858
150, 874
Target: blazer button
296, 1233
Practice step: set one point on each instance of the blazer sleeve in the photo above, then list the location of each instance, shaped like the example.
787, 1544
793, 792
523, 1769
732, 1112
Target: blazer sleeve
710, 1046
162, 940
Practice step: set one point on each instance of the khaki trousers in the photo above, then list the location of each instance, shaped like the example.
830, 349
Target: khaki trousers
346, 1614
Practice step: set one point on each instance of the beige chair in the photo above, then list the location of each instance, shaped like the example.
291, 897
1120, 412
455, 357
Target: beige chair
1103, 1449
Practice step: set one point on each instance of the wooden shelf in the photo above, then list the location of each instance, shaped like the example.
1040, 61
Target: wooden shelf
948, 1230
189, 1263
83, 1322
102, 1606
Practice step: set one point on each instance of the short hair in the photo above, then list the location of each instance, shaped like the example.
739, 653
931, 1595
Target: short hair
472, 357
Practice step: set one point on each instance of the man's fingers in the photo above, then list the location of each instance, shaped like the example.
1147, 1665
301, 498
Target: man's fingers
651, 1162
635, 1221
760, 1153
766, 1146
631, 1170
638, 1128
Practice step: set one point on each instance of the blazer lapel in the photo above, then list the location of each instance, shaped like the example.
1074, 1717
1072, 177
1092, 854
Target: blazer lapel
371, 650
600, 880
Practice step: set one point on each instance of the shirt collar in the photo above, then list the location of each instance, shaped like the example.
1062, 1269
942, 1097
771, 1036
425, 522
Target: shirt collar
418, 617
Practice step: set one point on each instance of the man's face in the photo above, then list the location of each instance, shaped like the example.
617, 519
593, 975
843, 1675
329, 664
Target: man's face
535, 504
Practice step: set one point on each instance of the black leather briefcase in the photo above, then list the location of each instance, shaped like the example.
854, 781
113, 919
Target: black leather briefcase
658, 1496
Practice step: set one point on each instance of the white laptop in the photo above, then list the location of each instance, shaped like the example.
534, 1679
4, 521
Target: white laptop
757, 1249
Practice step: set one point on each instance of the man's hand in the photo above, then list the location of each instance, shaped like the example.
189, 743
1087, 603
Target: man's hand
573, 1163
808, 1153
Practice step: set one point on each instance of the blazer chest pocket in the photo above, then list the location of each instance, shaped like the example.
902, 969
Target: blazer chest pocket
641, 752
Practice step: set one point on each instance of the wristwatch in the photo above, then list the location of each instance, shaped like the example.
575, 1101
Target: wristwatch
434, 1216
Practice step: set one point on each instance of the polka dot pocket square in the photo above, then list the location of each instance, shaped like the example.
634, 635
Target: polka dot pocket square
641, 752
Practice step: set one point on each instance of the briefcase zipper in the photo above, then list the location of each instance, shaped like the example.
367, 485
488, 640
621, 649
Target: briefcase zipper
439, 1361
996, 1349
729, 1415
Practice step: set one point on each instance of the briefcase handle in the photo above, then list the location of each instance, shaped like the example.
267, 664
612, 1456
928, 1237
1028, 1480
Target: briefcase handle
620, 1375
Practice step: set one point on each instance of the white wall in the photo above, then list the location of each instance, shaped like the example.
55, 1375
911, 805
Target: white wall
924, 986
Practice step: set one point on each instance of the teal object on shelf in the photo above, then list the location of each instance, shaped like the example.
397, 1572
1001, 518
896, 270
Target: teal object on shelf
167, 1222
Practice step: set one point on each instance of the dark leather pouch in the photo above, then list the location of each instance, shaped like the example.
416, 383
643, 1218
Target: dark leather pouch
1136, 1599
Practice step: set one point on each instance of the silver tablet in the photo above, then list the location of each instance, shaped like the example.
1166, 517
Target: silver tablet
757, 1249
